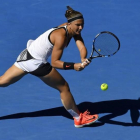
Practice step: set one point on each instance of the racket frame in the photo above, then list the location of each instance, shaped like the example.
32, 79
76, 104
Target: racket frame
94, 50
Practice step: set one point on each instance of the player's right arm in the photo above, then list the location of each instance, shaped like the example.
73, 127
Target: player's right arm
59, 39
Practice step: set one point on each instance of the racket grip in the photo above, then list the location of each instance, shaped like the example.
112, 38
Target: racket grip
85, 62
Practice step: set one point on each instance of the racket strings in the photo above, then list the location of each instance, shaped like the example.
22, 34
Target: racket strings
106, 44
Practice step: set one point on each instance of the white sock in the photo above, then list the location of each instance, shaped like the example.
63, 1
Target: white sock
74, 114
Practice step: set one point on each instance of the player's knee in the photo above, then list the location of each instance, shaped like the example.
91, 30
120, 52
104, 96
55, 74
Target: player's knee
65, 87
3, 82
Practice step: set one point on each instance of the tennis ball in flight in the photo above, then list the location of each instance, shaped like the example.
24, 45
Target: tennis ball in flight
104, 86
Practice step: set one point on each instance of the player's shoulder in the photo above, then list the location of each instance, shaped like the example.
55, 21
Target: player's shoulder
61, 30
58, 35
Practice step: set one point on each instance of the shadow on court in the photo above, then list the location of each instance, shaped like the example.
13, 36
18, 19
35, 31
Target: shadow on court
114, 108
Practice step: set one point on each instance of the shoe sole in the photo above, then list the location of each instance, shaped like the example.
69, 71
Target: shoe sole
79, 126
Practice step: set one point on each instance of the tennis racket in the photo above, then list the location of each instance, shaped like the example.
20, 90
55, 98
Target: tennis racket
105, 44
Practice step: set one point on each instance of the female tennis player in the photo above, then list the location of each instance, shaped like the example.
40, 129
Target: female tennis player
33, 60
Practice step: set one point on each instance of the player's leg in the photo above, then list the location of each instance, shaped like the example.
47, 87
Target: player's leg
55, 80
12, 75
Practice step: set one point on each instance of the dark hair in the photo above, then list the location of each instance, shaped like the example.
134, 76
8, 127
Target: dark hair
70, 13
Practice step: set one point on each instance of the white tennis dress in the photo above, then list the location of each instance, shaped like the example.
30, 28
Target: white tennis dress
37, 52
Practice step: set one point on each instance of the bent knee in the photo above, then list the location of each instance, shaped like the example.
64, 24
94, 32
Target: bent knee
64, 87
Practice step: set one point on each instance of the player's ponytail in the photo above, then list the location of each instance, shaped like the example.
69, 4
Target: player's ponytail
72, 15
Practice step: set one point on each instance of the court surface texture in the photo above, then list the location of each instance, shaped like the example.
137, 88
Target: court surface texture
30, 110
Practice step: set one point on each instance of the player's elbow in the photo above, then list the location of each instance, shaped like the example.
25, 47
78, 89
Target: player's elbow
57, 64
54, 64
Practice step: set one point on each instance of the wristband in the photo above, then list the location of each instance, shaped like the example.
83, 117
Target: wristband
68, 65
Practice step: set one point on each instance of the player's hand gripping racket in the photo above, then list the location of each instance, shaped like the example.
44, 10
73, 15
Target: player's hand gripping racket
105, 44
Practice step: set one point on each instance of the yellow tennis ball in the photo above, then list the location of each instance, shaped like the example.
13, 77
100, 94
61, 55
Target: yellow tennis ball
104, 86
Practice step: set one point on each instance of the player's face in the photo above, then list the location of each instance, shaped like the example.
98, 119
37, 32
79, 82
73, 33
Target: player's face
77, 26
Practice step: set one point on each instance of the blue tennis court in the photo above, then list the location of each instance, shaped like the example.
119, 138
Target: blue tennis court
30, 110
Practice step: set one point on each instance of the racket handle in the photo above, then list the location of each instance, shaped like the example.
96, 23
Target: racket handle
85, 62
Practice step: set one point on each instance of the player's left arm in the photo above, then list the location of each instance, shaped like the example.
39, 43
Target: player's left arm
81, 47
